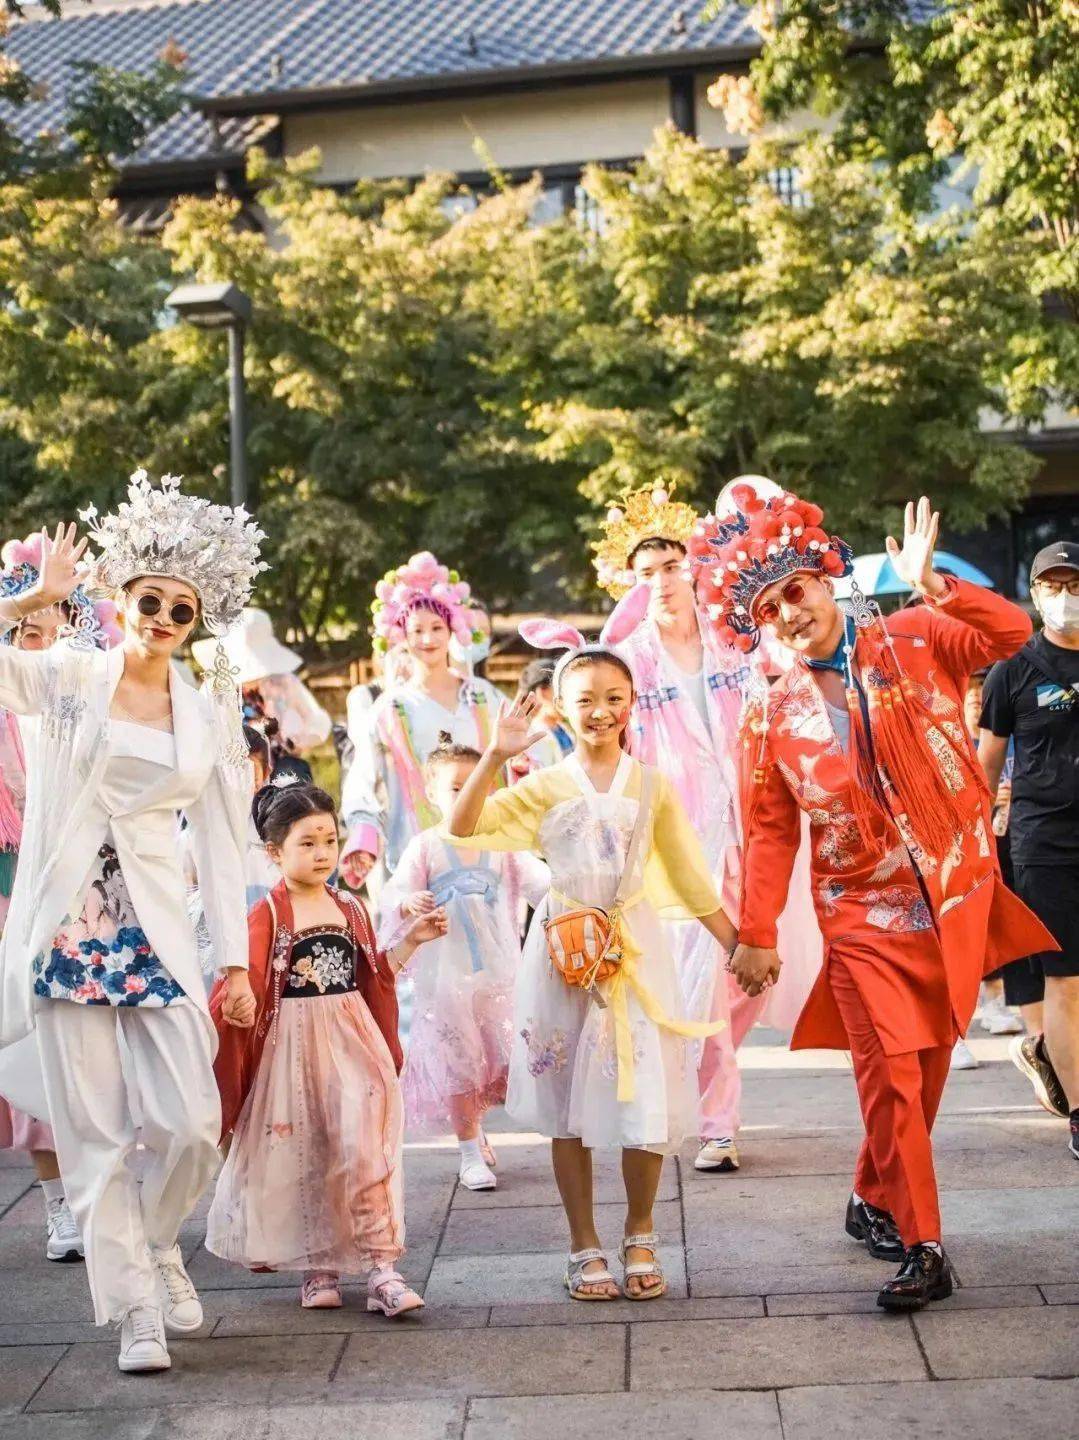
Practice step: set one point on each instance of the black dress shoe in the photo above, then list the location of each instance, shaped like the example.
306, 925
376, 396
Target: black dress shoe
923, 1276
876, 1228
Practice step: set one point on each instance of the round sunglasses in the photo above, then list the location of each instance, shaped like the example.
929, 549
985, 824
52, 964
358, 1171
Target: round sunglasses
182, 613
793, 593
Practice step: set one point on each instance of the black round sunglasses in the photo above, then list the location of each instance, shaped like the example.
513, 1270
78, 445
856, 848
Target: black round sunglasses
182, 613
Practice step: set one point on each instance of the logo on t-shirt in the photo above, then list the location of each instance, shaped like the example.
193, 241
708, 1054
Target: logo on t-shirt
1055, 697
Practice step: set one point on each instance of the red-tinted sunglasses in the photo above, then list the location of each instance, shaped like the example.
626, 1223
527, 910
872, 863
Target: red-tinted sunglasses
794, 592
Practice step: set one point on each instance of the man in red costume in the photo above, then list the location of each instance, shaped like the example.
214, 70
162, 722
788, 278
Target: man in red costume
865, 734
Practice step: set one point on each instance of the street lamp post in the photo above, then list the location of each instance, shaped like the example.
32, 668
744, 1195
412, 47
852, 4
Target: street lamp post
225, 307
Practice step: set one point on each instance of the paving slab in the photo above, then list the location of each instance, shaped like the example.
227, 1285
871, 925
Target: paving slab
264, 1372
22, 1372
283, 1316
722, 1278
542, 1228
687, 1416
1006, 1258
16, 1183
525, 1178
864, 1302
994, 1343
524, 1279
33, 1290
404, 1420
1060, 1294
498, 1362
632, 1312
989, 1409
761, 1354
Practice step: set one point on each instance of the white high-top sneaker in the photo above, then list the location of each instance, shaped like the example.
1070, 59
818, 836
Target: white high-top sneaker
142, 1340
179, 1298
64, 1241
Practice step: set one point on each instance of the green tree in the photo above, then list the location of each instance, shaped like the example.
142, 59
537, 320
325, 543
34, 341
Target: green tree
991, 86
839, 344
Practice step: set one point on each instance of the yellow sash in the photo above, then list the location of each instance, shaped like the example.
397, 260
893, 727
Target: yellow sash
615, 993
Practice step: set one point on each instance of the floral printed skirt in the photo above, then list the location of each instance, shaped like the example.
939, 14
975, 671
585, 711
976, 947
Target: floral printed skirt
458, 1056
103, 956
313, 1178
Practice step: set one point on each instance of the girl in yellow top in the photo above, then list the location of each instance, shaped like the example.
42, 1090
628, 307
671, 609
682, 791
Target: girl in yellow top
616, 1073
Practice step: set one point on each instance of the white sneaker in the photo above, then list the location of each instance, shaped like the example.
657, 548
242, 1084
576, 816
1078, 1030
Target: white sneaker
142, 1340
179, 1298
998, 1019
721, 1155
64, 1242
477, 1175
963, 1058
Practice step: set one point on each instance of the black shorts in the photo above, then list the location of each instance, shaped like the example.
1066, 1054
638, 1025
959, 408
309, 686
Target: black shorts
1052, 892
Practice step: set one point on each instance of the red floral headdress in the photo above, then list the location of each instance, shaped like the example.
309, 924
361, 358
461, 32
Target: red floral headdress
737, 555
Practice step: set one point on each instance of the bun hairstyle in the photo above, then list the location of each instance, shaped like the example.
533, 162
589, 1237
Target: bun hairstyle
277, 808
447, 753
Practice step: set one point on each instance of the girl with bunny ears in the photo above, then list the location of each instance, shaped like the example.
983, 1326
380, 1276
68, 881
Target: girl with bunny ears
606, 1066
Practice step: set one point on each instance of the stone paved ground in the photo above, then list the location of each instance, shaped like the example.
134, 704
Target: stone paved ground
770, 1334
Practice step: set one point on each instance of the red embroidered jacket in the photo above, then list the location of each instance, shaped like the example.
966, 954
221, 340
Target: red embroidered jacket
269, 931
862, 898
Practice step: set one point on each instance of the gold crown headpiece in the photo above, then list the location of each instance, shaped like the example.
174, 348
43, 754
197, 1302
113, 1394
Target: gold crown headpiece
648, 514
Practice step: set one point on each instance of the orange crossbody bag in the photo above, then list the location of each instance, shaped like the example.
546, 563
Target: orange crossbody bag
585, 944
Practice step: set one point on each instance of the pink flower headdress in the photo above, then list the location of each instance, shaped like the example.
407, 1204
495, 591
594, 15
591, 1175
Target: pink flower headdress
420, 584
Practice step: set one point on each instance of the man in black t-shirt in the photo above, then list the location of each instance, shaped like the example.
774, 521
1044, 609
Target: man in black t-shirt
1033, 700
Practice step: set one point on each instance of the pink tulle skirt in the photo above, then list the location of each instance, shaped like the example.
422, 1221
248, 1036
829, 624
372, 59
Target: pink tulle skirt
22, 1132
313, 1178
458, 1058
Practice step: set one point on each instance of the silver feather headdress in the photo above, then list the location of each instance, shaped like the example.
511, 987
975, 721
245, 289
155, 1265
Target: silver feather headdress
161, 531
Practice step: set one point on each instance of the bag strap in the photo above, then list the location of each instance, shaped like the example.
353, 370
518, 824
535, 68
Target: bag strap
1043, 667
641, 827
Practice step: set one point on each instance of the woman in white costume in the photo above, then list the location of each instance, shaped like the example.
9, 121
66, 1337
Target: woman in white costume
125, 744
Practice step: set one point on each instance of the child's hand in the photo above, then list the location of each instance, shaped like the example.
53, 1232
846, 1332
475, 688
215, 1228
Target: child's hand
356, 867
428, 927
422, 902
516, 728
240, 1004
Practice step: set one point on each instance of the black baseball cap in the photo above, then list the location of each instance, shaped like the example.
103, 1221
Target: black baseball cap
1062, 553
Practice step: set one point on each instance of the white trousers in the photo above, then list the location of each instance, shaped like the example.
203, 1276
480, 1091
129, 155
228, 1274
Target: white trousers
168, 1100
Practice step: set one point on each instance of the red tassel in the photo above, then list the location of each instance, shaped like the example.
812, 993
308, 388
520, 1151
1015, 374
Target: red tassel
903, 752
864, 805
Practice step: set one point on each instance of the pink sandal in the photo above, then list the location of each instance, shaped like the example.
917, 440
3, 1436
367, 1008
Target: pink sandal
388, 1292
321, 1290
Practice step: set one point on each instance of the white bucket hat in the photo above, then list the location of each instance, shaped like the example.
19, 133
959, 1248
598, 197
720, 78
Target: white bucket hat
252, 648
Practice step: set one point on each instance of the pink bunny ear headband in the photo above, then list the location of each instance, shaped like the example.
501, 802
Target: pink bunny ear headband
546, 634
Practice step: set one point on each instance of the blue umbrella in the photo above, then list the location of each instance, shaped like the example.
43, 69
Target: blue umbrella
875, 574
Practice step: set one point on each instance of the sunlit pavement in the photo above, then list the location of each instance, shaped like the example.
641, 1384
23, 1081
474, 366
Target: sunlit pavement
770, 1331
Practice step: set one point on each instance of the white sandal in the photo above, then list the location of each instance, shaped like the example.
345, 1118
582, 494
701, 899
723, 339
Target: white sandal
642, 1267
575, 1277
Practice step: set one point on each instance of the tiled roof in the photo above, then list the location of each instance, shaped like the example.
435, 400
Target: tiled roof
239, 50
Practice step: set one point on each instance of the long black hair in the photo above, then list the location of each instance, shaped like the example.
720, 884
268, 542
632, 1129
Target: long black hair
276, 808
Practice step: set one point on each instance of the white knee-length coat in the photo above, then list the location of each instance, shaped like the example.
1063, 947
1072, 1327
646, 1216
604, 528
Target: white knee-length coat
69, 690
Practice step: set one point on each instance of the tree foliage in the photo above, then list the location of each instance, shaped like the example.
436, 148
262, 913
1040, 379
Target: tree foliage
991, 86
423, 374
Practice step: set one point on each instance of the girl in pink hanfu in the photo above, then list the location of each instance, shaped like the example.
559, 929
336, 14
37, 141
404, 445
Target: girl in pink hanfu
19, 1131
310, 1094
462, 1023
421, 605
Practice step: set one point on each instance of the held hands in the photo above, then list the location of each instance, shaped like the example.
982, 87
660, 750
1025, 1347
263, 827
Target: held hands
515, 729
914, 562
754, 967
430, 926
420, 903
240, 1006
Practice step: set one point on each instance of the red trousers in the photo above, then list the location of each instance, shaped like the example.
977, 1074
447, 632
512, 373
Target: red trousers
899, 1096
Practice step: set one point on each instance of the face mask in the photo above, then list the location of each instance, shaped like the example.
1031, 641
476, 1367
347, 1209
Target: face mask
1060, 612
